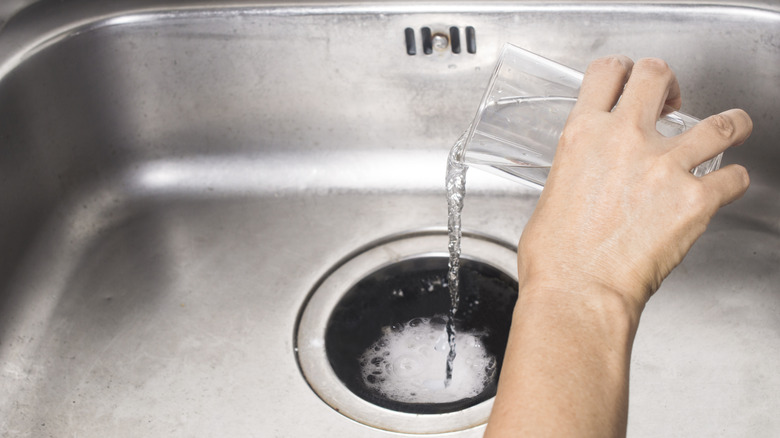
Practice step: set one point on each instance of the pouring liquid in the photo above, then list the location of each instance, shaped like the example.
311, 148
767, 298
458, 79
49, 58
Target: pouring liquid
456, 192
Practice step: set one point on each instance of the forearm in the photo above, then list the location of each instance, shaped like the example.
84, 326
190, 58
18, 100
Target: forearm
565, 372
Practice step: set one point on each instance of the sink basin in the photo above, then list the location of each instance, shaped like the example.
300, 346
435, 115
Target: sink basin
177, 178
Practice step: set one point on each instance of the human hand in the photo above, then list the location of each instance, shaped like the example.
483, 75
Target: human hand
620, 209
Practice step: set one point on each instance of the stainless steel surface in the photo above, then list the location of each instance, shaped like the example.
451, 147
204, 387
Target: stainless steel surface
175, 177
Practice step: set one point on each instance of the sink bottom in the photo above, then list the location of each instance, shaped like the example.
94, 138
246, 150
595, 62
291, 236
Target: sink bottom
176, 176
179, 313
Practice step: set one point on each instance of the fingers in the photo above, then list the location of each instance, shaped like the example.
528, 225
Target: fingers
651, 90
603, 83
710, 137
727, 184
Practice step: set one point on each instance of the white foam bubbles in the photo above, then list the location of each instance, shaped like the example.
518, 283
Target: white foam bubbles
408, 363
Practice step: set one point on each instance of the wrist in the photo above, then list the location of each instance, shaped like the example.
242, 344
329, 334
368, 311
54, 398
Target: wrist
568, 360
594, 302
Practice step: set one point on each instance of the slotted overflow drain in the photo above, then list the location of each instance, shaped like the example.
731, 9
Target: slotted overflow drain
367, 321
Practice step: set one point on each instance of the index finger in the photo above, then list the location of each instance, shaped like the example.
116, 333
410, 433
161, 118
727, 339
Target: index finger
603, 83
651, 90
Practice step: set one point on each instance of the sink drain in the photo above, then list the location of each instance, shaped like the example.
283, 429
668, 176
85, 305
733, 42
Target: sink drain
370, 339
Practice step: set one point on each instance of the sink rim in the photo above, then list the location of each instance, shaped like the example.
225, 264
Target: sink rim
39, 25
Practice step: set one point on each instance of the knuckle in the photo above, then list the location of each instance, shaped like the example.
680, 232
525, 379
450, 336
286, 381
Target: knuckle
662, 172
722, 126
573, 129
697, 197
631, 130
655, 66
611, 63
580, 129
569, 136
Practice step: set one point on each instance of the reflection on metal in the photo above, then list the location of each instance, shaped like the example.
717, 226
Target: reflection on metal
176, 175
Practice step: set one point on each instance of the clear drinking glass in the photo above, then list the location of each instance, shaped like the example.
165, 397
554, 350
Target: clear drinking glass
522, 114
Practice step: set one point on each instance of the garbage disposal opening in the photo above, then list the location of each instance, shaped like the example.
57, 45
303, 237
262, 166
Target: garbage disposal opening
370, 338
386, 341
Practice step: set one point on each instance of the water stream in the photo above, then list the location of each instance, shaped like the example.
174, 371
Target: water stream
456, 191
403, 365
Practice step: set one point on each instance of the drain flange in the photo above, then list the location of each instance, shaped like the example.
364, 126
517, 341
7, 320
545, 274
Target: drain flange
394, 281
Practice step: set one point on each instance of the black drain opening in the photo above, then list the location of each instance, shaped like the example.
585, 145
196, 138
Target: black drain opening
414, 288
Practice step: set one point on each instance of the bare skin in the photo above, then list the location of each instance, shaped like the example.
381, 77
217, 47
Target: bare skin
620, 210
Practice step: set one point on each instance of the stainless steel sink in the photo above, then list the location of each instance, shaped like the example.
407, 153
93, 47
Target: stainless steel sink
177, 177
